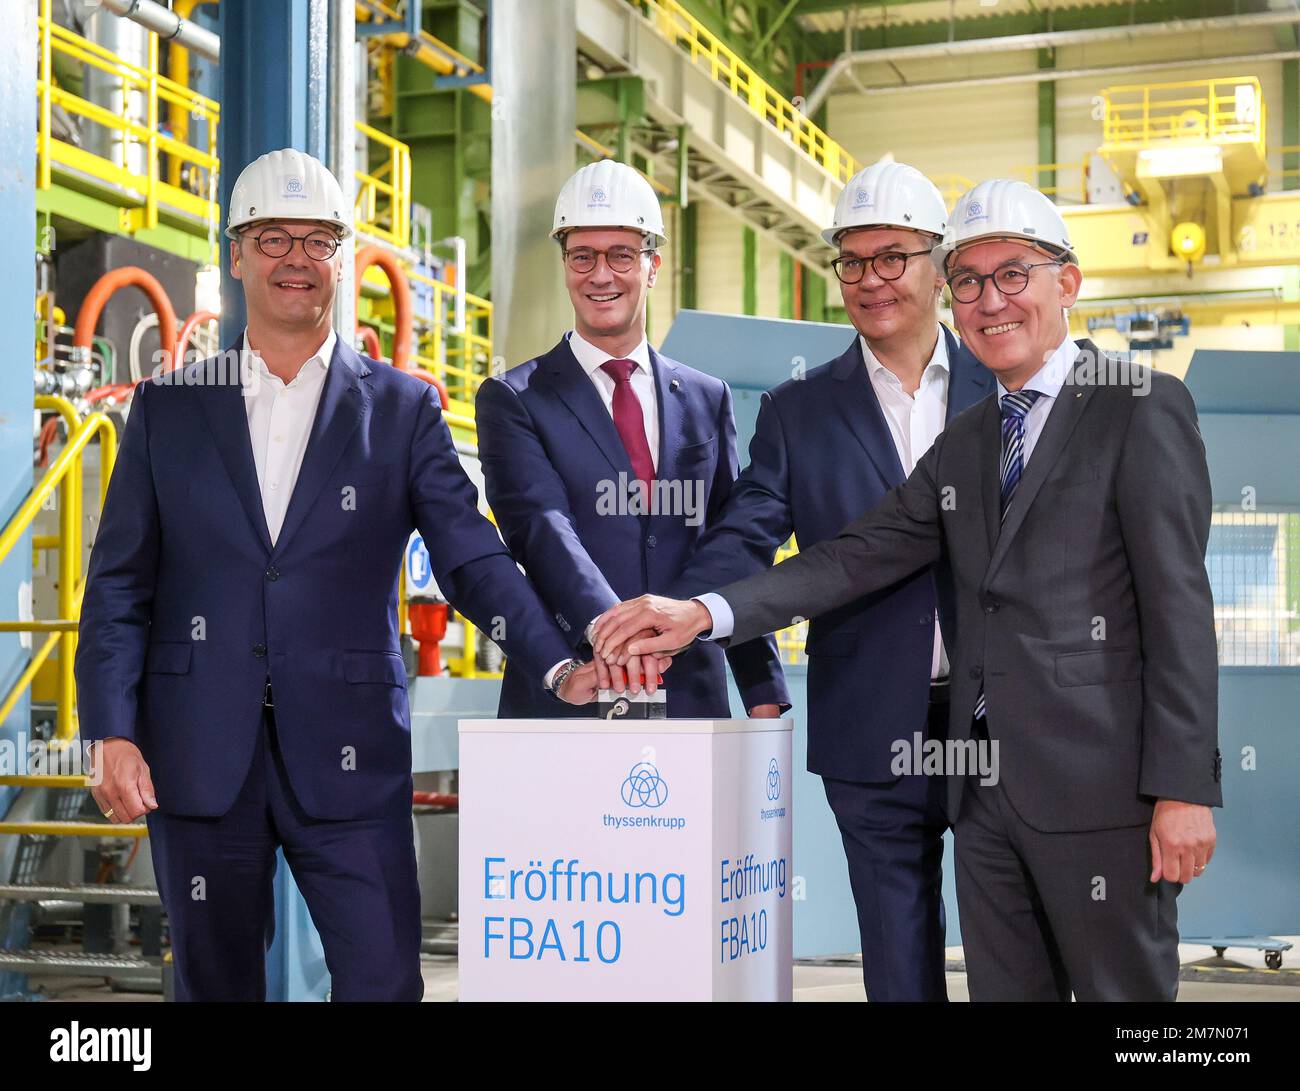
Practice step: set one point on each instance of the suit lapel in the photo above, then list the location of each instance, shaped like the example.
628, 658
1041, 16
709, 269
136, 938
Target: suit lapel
1066, 410
573, 387
343, 401
227, 419
968, 379
668, 387
857, 403
990, 467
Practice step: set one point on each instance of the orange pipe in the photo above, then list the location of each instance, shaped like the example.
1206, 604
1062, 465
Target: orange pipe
187, 329
404, 338
371, 339
100, 293
403, 318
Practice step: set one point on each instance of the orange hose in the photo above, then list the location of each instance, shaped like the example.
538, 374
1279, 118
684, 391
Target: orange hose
404, 338
187, 329
403, 318
371, 338
101, 291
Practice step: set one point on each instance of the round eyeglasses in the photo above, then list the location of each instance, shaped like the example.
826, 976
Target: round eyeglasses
888, 265
275, 242
622, 259
1010, 279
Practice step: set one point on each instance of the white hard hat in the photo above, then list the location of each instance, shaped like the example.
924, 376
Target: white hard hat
287, 185
609, 194
1002, 208
888, 194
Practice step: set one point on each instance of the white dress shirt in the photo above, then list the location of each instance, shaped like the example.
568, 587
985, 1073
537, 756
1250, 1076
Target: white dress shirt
643, 382
280, 417
1048, 380
914, 422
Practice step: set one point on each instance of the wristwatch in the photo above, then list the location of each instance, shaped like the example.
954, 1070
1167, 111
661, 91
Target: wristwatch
558, 680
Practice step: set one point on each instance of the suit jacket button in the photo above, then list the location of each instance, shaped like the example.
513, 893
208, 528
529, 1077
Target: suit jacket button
272, 573
925, 619
976, 672
991, 608
259, 650
652, 541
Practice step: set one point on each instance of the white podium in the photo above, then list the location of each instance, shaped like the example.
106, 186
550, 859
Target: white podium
628, 860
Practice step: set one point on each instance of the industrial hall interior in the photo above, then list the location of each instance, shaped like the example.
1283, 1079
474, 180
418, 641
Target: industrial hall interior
610, 606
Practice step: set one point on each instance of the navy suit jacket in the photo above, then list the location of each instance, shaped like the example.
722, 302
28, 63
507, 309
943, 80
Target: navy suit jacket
550, 452
821, 455
189, 607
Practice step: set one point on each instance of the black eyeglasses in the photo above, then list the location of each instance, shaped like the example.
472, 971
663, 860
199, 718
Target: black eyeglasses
582, 259
1010, 279
275, 242
889, 265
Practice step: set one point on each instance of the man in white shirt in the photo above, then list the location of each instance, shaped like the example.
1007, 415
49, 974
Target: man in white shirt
238, 669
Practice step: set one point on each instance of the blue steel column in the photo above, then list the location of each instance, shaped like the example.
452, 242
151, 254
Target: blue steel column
18, 239
273, 95
265, 89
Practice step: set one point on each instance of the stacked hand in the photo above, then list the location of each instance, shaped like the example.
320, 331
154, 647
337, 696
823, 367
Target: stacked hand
649, 625
627, 636
583, 684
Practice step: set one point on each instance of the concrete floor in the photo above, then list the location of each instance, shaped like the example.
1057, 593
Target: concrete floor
827, 982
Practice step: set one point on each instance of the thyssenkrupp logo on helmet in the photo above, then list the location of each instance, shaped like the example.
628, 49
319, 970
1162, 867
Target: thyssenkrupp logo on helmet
862, 199
599, 198
292, 188
975, 211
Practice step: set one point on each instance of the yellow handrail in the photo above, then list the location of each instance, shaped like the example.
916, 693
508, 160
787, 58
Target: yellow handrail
383, 205
148, 187
1032, 172
65, 473
1194, 111
680, 27
383, 197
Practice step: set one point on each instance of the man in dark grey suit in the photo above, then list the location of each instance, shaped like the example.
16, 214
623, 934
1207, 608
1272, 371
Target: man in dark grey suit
1070, 515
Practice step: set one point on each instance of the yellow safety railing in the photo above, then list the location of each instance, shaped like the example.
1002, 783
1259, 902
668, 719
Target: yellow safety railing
681, 28
1217, 111
1284, 172
462, 360
790, 641
951, 185
65, 474
1071, 180
188, 182
383, 205
126, 133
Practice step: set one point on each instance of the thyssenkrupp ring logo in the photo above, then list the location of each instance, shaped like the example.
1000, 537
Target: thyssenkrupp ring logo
773, 780
644, 787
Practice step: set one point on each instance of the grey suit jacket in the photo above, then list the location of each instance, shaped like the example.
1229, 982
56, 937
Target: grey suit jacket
1086, 616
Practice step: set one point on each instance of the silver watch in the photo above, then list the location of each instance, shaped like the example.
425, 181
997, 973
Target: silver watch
562, 674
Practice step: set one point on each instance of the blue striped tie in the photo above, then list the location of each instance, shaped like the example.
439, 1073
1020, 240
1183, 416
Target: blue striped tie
1014, 407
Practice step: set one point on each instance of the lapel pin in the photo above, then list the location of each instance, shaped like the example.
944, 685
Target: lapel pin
674, 384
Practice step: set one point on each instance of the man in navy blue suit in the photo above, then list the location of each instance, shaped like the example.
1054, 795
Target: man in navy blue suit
238, 672
605, 461
827, 447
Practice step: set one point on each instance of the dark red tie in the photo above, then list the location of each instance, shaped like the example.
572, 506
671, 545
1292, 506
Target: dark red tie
629, 420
